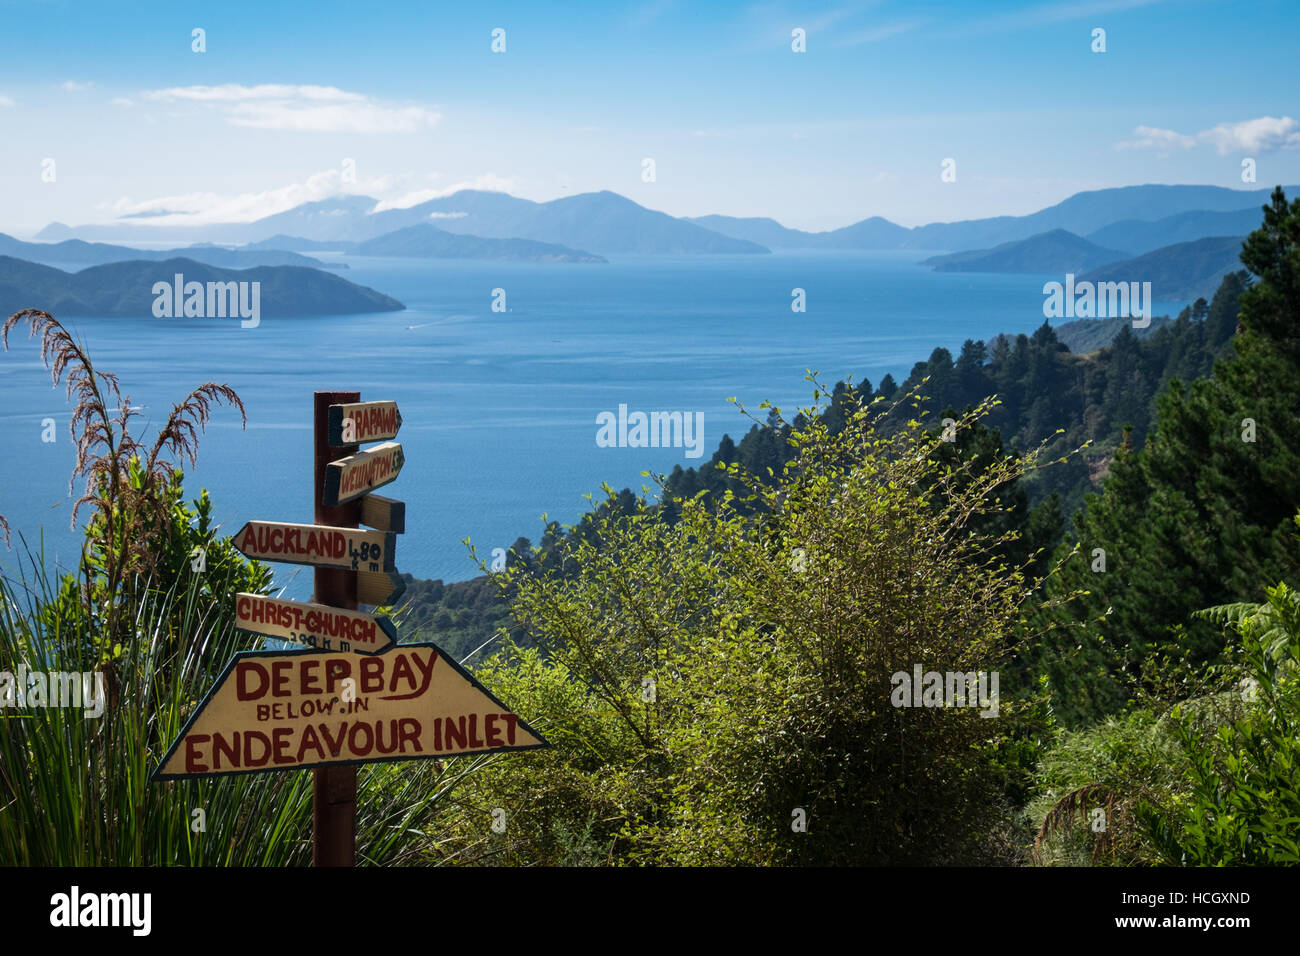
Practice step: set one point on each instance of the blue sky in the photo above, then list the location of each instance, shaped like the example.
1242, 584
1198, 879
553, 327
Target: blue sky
735, 121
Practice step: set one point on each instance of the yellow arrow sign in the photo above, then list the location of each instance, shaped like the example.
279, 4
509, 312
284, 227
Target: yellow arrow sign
349, 478
321, 545
314, 625
280, 710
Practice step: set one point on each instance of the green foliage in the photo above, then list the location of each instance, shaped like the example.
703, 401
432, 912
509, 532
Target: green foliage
75, 789
147, 620
1201, 513
1110, 767
1244, 805
709, 681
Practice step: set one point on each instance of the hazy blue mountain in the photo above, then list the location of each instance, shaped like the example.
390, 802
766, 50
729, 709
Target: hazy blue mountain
1087, 212
336, 218
426, 241
764, 231
603, 222
873, 233
1136, 218
1181, 272
77, 252
126, 288
1055, 251
1141, 237
299, 244
606, 222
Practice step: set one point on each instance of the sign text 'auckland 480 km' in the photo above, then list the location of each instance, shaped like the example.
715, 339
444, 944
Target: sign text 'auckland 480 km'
321, 545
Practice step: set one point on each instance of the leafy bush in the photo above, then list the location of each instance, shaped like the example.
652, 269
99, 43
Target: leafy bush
711, 682
1244, 805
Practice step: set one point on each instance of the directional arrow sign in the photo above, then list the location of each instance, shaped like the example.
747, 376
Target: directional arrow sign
385, 514
353, 476
314, 625
319, 545
370, 421
379, 587
279, 710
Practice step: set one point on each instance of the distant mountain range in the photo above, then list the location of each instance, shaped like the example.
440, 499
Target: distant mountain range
1054, 251
429, 242
1182, 272
126, 288
1141, 237
79, 253
873, 233
1134, 219
603, 223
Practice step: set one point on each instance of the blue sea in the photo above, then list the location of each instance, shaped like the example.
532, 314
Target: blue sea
499, 408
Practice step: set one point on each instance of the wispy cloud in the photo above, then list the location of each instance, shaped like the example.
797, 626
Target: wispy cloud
305, 108
207, 208
769, 24
883, 32
72, 86
6, 101
1152, 137
1040, 14
489, 182
1261, 135
1253, 136
648, 13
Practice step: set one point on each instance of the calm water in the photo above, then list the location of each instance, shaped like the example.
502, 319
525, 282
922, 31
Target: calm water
499, 409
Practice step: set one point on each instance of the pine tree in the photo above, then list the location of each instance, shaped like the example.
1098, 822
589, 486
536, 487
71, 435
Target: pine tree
1203, 511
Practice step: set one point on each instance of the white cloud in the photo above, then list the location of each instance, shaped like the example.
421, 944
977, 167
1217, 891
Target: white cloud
1152, 137
197, 209
202, 208
488, 182
121, 101
6, 101
1261, 135
306, 108
72, 86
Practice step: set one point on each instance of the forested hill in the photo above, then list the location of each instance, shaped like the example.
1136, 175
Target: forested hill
1042, 385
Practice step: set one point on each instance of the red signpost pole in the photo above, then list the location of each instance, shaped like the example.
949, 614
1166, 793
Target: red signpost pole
334, 793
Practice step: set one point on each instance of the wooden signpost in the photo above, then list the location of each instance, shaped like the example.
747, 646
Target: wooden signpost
371, 421
283, 710
349, 478
313, 625
383, 514
321, 545
354, 695
379, 587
